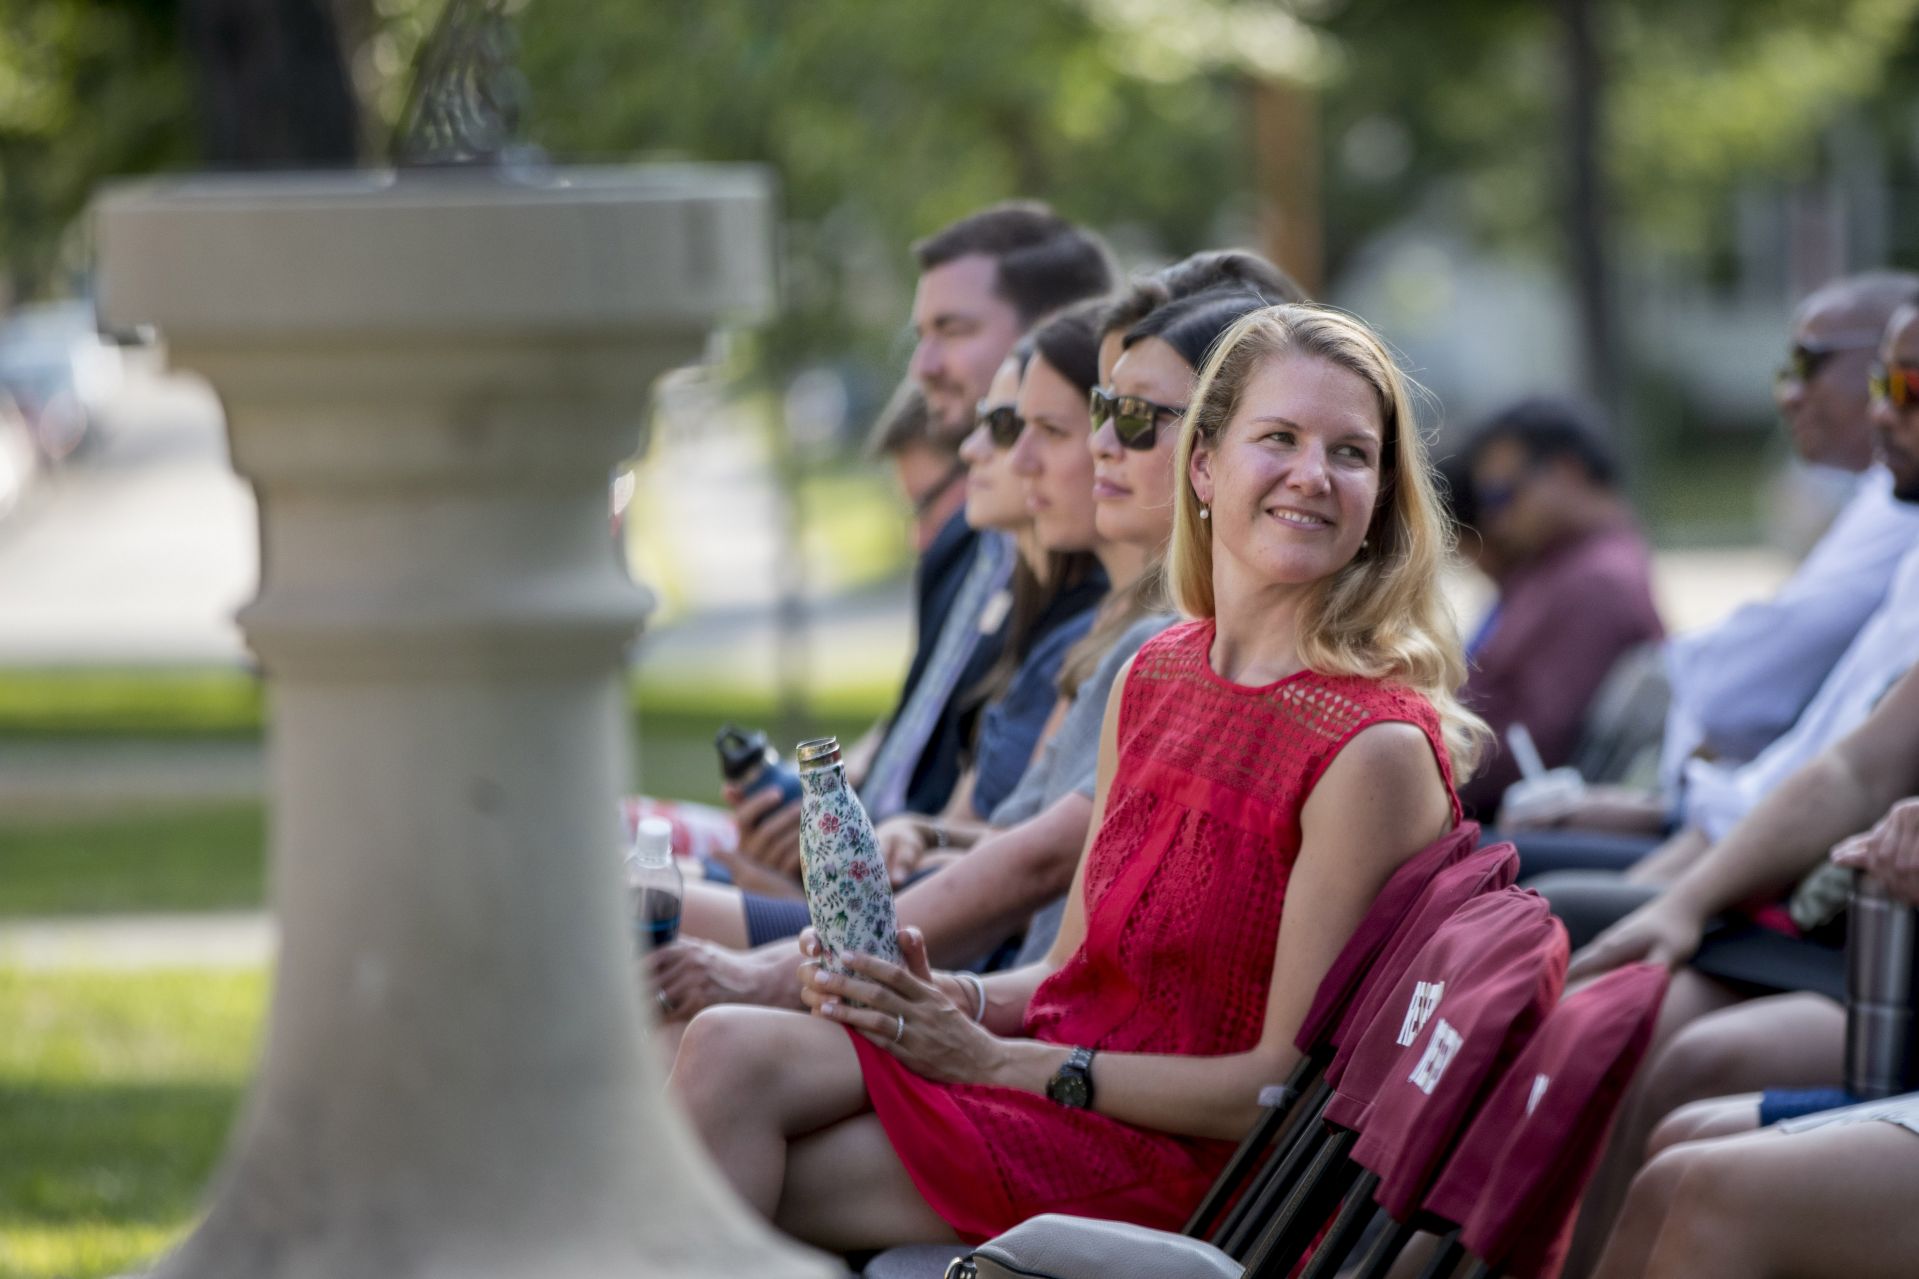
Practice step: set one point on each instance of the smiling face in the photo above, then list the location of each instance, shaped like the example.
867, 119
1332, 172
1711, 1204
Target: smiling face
964, 328
1896, 427
995, 497
1133, 488
1052, 458
1294, 478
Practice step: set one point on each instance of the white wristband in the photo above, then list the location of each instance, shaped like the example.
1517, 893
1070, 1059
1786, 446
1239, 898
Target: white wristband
979, 994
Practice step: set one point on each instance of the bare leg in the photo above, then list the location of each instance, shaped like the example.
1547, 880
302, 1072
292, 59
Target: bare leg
1689, 998
755, 1079
1833, 1201
667, 1034
846, 1189
1704, 1121
1702, 1050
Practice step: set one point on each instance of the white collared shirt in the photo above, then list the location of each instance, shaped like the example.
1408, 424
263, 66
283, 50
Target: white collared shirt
1718, 796
1740, 685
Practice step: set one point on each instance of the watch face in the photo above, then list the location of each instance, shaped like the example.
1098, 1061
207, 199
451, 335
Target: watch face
1069, 1089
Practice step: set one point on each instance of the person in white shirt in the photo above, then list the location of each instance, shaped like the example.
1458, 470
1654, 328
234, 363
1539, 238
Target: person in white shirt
1739, 687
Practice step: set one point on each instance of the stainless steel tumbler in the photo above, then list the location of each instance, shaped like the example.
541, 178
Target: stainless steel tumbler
1882, 984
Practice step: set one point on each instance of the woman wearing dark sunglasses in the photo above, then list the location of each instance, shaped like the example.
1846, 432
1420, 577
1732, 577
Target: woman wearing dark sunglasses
1058, 581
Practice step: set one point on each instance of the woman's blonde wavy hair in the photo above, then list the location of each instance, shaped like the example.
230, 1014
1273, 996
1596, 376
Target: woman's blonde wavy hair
1382, 616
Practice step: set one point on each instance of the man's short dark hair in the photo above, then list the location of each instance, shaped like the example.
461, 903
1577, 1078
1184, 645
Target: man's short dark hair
1550, 427
1045, 262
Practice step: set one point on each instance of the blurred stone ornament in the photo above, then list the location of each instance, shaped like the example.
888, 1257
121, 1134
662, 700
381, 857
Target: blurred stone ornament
464, 105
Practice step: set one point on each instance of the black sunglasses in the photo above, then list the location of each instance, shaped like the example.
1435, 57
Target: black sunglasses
1136, 420
1805, 359
1003, 425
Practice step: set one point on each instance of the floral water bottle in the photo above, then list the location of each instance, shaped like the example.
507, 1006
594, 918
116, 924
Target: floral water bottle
847, 892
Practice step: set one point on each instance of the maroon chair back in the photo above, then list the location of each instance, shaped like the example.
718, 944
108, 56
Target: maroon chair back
1515, 1180
1402, 895
1491, 944
1479, 1015
1478, 874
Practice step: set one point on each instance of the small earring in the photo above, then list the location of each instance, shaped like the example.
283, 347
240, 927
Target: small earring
1206, 512
1365, 542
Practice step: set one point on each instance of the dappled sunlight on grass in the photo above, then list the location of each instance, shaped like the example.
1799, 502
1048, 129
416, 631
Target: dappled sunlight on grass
116, 1092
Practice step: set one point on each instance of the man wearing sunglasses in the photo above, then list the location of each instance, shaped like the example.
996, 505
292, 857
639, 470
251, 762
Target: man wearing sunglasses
1741, 685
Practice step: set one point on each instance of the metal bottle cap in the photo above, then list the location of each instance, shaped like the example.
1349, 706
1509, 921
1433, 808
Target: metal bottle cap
821, 752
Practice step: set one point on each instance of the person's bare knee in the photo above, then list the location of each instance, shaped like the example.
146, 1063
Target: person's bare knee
1702, 1120
1642, 1216
1789, 1040
722, 1055
1695, 1066
1710, 1228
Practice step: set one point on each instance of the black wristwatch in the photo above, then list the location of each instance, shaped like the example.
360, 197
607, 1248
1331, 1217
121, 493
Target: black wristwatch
1072, 1085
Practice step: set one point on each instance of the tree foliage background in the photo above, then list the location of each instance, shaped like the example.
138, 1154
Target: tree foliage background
883, 120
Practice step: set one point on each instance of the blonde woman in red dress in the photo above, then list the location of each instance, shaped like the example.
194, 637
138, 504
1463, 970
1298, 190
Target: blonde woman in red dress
1264, 768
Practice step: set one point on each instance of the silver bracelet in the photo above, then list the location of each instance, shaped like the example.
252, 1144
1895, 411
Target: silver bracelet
979, 994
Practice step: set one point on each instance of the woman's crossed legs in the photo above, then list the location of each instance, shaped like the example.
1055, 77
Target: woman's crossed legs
780, 1102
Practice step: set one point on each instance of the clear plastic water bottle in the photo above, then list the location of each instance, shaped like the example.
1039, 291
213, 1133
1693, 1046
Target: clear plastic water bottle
847, 891
654, 884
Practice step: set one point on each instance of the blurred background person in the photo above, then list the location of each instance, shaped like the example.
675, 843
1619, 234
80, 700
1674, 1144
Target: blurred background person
1574, 578
1755, 674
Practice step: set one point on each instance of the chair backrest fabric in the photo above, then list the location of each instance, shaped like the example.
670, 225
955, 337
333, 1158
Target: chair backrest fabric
1485, 871
1516, 1178
1482, 988
1400, 896
1626, 719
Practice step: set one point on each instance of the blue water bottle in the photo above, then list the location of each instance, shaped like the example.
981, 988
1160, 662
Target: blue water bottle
748, 761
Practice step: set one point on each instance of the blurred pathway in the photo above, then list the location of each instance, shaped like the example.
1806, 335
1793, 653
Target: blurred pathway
225, 939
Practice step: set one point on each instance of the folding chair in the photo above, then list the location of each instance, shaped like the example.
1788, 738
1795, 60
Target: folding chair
1464, 1007
1517, 1175
1487, 870
1402, 895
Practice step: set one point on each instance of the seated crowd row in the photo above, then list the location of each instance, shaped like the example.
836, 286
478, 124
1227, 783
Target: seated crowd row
1187, 693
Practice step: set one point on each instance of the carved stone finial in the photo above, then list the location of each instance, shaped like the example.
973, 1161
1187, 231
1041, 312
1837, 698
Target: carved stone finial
463, 107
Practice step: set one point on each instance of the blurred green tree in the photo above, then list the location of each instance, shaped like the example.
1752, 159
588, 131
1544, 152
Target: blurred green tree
88, 89
886, 120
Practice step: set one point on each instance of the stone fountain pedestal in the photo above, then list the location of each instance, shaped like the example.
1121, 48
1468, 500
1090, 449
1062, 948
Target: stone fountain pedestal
428, 379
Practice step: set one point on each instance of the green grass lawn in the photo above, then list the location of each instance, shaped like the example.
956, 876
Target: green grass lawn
185, 857
203, 857
116, 1092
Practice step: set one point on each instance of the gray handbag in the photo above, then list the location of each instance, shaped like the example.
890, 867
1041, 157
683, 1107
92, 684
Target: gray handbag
1053, 1246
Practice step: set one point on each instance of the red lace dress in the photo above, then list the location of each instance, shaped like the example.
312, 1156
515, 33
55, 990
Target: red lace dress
1184, 885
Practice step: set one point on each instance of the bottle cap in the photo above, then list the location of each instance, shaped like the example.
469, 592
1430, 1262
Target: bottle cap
819, 753
741, 752
653, 844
